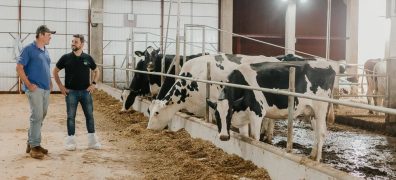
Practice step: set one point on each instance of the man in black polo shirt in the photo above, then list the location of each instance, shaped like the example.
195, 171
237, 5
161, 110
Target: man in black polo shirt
78, 89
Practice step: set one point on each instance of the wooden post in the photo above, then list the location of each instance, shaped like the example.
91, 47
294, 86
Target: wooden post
390, 120
114, 77
207, 117
292, 78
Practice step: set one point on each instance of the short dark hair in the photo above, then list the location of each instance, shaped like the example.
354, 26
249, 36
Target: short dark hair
80, 36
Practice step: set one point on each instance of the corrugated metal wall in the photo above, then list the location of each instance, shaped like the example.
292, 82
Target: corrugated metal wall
148, 20
67, 17
8, 31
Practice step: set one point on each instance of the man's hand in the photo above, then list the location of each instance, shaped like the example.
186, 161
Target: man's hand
32, 87
63, 90
91, 88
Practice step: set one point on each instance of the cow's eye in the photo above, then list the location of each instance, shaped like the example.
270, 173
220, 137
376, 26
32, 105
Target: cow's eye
156, 113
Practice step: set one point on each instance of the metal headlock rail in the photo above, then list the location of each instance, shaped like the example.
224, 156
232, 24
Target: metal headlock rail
273, 91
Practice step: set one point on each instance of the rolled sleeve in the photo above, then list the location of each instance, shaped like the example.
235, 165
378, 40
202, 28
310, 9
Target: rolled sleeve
24, 57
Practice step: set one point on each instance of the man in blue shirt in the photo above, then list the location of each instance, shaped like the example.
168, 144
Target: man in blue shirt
33, 68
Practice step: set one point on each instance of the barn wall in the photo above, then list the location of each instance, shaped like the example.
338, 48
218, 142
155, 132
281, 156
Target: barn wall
148, 20
265, 20
67, 17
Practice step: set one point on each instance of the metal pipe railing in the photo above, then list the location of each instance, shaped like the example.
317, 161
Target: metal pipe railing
273, 91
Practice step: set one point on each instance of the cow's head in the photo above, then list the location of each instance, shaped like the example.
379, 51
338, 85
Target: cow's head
150, 55
223, 115
128, 98
160, 115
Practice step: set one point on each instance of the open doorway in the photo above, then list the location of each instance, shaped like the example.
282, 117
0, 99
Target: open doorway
373, 30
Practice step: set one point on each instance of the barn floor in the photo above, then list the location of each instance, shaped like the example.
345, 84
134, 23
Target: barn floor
114, 161
129, 150
360, 118
358, 152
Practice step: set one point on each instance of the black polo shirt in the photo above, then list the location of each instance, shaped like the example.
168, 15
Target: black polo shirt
77, 70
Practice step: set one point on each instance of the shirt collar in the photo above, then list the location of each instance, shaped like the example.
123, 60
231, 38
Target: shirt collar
74, 55
35, 45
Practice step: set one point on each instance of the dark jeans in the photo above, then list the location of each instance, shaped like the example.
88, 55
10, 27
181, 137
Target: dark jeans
85, 99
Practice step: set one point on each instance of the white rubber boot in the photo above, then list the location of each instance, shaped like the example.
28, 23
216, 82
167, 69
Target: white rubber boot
93, 142
70, 143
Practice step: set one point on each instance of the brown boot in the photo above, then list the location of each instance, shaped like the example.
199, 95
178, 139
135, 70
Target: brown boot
43, 150
36, 153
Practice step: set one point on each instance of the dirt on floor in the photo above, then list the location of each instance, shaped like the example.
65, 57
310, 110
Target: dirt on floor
129, 151
174, 155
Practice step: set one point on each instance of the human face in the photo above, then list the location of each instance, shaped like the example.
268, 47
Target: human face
76, 44
45, 38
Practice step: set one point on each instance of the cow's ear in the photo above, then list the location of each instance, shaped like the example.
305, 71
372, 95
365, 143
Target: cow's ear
139, 53
238, 103
211, 104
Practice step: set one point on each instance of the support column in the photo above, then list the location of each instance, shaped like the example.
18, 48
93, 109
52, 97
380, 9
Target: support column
290, 28
226, 19
351, 55
390, 54
96, 31
390, 120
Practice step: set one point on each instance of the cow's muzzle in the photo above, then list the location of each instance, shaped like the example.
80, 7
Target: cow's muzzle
224, 137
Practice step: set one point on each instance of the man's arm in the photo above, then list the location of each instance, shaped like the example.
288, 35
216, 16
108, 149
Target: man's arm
62, 88
95, 78
96, 74
25, 80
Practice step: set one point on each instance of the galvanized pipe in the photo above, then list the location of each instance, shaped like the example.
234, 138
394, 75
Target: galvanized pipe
273, 91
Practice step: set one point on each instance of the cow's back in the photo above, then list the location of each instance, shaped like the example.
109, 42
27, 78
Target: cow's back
369, 65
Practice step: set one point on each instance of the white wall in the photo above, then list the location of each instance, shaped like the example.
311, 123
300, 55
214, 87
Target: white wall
148, 13
8, 28
67, 17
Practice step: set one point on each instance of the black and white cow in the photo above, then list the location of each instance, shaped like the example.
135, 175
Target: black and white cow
241, 107
144, 84
191, 95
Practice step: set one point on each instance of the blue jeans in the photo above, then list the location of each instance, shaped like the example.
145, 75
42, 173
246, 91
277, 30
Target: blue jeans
85, 99
38, 101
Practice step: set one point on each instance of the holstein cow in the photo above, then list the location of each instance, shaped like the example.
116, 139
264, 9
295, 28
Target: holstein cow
144, 84
191, 94
369, 70
241, 107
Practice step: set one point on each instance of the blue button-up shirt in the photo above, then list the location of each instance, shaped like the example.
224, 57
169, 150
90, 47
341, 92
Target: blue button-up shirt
36, 64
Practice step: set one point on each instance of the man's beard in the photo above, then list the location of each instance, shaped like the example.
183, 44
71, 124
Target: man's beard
74, 48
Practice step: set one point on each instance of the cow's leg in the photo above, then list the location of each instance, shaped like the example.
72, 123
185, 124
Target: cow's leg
267, 130
244, 130
270, 130
319, 124
255, 125
330, 114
